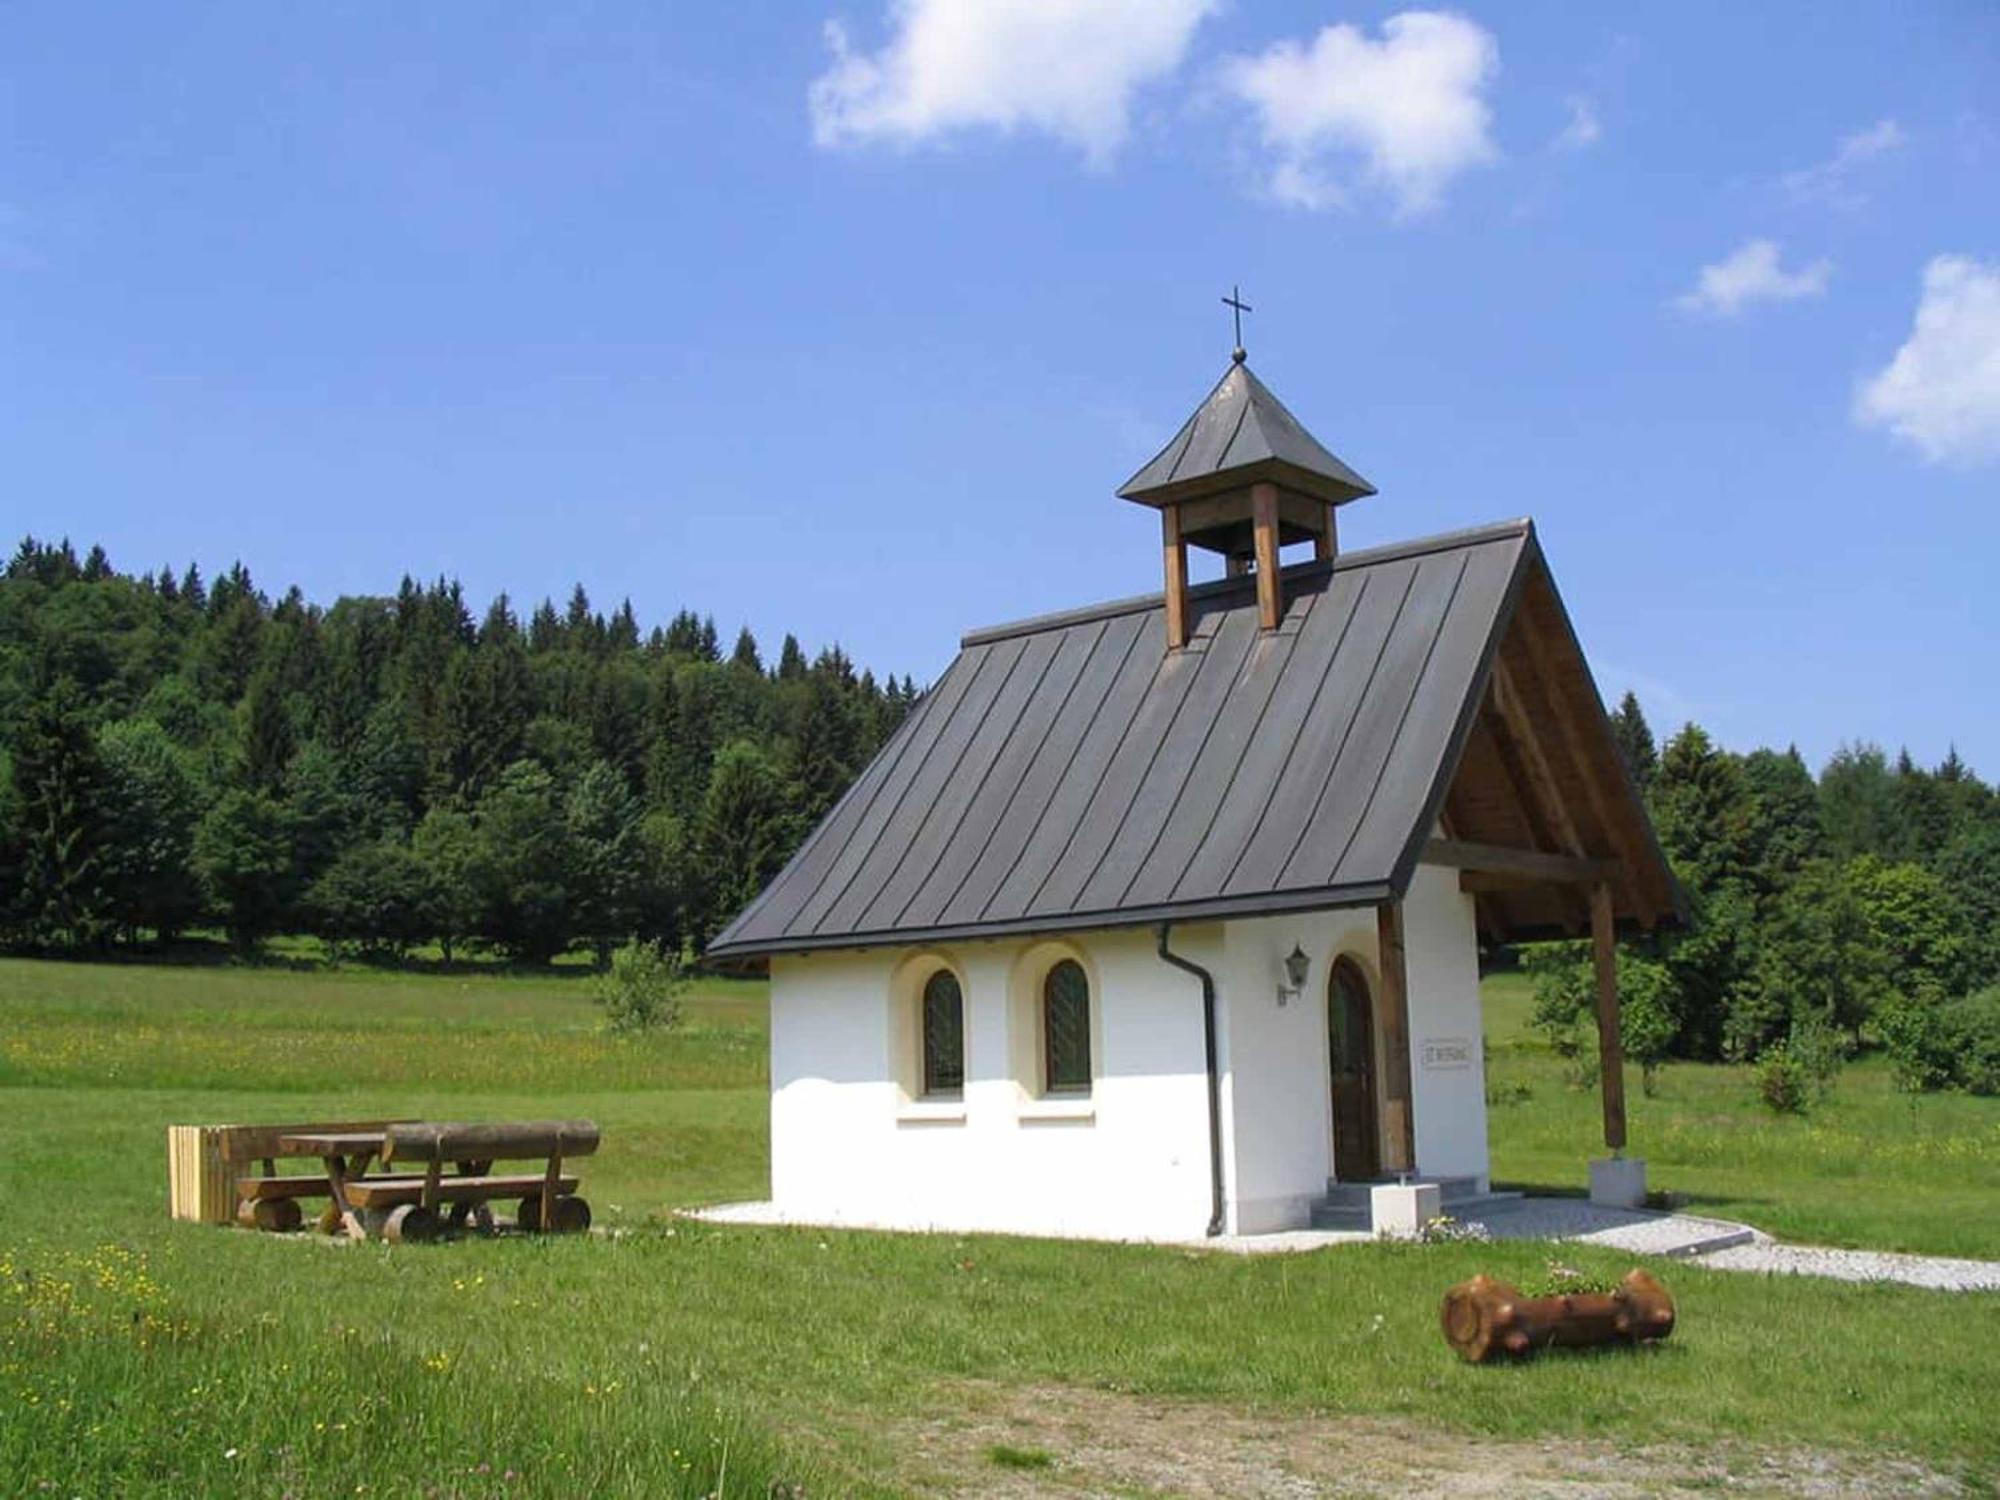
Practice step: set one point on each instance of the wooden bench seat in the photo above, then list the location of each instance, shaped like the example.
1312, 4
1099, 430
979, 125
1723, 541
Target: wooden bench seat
387, 1192
297, 1185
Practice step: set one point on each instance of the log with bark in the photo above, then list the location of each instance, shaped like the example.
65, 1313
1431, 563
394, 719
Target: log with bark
1486, 1319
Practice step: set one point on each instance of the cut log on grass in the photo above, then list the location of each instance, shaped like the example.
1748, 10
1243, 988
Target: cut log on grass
410, 1224
273, 1215
1486, 1319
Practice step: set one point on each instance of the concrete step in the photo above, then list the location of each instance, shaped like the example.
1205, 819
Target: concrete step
1348, 1205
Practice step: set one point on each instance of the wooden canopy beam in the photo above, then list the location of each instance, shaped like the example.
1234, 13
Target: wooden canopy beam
1488, 914
1526, 767
1523, 866
1615, 827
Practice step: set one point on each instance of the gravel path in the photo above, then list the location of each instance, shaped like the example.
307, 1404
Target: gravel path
1934, 1271
1640, 1231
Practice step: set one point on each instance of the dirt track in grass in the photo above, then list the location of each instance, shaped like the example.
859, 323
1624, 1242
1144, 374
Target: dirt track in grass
1018, 1442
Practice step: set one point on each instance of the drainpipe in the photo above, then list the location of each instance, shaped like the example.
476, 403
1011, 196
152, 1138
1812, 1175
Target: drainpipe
1214, 1077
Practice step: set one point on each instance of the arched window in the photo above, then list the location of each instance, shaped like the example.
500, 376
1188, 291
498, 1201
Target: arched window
944, 1036
1066, 1029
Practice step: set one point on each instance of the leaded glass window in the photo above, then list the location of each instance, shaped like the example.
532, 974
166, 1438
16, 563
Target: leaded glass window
944, 1035
1066, 1029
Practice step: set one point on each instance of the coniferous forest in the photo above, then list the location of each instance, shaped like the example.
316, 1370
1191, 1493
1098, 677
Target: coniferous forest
181, 757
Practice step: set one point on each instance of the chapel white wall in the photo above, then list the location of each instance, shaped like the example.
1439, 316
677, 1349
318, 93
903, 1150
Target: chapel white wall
1447, 1038
849, 1145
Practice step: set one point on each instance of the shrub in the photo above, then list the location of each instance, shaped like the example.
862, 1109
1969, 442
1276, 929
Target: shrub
1794, 1076
1975, 1021
1918, 1042
1944, 1044
641, 991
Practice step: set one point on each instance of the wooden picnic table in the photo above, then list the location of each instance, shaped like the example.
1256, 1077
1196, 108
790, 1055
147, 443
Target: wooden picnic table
406, 1205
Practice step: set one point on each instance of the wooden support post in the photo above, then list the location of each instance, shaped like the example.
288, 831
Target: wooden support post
1177, 582
1610, 1049
1399, 1121
1327, 543
1264, 525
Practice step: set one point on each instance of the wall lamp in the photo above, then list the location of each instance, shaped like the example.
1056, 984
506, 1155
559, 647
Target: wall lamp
1297, 966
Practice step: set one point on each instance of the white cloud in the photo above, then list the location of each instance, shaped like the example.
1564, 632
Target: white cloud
1941, 392
1751, 273
1828, 180
1583, 129
1410, 106
1068, 68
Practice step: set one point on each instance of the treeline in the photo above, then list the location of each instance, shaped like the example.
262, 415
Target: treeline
1857, 908
389, 772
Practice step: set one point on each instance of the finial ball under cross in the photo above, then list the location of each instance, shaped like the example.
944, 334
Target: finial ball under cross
1238, 307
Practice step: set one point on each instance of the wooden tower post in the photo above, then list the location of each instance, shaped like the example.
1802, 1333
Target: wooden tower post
1177, 576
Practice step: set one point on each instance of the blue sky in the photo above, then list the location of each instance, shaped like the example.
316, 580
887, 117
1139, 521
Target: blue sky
854, 331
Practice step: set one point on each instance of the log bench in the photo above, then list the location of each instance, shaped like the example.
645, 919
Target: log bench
272, 1203
410, 1204
269, 1199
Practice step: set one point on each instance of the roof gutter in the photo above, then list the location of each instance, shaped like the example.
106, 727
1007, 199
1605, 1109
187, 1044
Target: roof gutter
1214, 1076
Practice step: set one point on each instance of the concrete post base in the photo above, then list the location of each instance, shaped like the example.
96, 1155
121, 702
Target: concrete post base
1618, 1181
1400, 1210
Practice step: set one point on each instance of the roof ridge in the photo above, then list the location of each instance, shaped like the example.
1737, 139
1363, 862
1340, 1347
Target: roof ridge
1222, 587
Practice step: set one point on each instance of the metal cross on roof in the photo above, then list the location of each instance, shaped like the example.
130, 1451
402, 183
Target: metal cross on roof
1238, 307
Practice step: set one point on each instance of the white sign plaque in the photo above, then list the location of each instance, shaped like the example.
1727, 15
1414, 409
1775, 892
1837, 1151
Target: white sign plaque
1446, 1053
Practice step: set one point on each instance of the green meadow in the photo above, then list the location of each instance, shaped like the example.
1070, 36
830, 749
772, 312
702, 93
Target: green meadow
668, 1357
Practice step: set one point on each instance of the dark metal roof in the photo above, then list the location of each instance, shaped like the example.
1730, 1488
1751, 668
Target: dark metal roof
1240, 433
1070, 772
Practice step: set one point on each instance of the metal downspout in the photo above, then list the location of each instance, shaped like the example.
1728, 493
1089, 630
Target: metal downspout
1214, 1077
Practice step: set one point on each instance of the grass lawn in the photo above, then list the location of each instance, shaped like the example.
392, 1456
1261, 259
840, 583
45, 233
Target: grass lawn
1873, 1167
142, 1357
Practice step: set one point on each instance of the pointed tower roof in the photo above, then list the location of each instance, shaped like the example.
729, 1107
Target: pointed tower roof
1241, 434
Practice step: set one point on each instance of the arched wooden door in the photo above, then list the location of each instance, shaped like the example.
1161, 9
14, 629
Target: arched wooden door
1350, 1022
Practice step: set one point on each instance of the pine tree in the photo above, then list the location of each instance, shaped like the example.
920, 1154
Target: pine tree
1857, 801
1782, 832
609, 873
743, 834
825, 745
268, 740
791, 660
59, 780
1635, 740
623, 633
745, 654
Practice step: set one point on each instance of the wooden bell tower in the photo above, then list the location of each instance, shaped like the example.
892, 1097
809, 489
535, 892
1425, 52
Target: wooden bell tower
1244, 479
